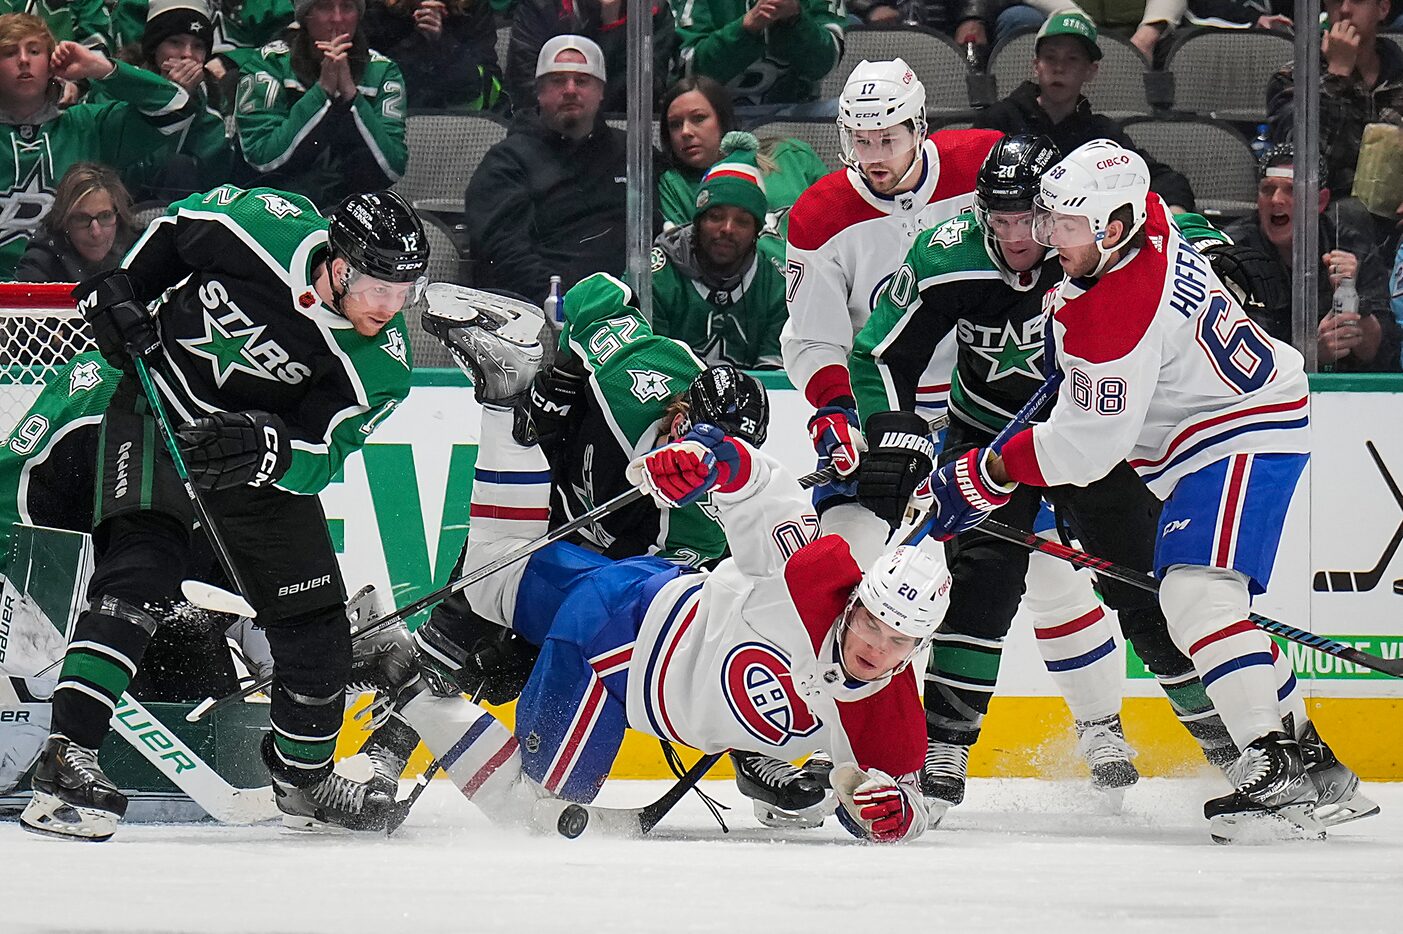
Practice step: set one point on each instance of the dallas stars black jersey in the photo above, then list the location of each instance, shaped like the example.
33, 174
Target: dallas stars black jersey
949, 281
242, 327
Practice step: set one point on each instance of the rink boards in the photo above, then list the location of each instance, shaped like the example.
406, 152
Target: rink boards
397, 527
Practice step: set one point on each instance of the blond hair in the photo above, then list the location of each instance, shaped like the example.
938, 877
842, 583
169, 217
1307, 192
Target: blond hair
17, 27
81, 180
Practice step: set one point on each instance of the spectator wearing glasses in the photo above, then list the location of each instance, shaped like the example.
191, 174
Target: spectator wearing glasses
85, 232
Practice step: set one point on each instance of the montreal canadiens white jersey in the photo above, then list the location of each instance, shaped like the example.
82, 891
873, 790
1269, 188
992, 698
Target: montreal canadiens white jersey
744, 657
845, 241
1162, 369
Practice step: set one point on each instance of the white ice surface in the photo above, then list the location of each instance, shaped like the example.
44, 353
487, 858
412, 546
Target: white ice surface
1020, 855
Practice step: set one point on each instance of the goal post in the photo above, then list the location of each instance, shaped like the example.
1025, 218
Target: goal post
40, 331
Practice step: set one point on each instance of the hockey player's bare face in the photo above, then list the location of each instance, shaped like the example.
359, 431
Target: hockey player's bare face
1014, 231
569, 100
330, 19
368, 303
24, 76
885, 156
694, 130
726, 236
870, 648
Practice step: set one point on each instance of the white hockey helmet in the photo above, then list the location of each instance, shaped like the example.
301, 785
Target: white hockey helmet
1091, 182
878, 96
908, 589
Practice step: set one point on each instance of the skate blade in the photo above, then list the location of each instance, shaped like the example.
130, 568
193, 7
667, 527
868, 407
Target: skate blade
1356, 808
47, 816
936, 809
1109, 799
296, 824
1258, 828
807, 819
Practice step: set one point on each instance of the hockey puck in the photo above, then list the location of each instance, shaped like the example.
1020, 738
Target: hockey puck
1398, 586
572, 821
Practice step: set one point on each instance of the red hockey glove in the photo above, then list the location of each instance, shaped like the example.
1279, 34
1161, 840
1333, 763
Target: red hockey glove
875, 807
837, 438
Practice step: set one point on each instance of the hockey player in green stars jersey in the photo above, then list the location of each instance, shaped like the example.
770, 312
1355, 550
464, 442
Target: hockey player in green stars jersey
715, 287
983, 275
320, 113
44, 141
277, 340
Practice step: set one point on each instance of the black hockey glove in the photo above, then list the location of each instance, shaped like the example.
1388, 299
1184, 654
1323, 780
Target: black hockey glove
899, 456
121, 323
229, 449
542, 417
498, 667
1254, 278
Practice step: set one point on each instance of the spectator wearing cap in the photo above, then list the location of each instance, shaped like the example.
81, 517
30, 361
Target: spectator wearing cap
176, 45
1065, 58
45, 141
240, 26
321, 113
714, 287
1364, 342
697, 114
86, 231
603, 21
447, 50
765, 51
1361, 82
550, 198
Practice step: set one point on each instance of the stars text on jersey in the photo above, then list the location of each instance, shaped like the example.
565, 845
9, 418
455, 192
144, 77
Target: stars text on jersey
234, 344
1010, 352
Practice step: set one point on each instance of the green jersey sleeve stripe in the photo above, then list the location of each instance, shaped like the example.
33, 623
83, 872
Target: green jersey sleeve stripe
279, 160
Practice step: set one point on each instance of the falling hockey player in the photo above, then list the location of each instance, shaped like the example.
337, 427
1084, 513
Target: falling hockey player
785, 648
280, 346
1165, 370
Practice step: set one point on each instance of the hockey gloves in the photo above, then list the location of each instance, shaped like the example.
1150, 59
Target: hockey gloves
900, 457
543, 416
964, 494
229, 449
122, 325
837, 437
680, 473
874, 806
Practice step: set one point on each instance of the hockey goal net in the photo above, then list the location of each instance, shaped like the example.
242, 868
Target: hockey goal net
40, 331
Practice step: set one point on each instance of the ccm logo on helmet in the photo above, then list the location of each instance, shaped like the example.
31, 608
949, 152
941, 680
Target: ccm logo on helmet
1122, 159
760, 690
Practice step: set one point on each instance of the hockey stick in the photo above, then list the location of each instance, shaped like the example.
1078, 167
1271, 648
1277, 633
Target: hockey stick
570, 820
184, 767
221, 550
209, 704
1125, 575
1361, 581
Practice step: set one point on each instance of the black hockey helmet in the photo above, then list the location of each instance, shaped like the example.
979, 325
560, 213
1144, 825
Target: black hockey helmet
1009, 178
732, 400
379, 234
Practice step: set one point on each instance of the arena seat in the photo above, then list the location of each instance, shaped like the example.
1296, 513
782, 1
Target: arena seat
504, 41
444, 152
936, 60
821, 135
1223, 73
1118, 90
1214, 157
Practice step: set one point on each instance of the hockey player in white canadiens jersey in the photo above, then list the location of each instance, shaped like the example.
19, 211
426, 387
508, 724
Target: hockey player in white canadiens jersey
1166, 371
785, 648
847, 235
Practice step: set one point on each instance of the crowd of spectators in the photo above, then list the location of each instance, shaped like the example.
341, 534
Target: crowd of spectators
115, 107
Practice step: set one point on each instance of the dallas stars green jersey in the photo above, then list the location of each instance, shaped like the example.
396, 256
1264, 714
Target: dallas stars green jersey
250, 25
242, 327
119, 133
782, 64
47, 461
633, 375
85, 21
296, 137
949, 282
739, 326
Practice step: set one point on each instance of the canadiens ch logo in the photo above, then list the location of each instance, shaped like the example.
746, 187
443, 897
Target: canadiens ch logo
758, 686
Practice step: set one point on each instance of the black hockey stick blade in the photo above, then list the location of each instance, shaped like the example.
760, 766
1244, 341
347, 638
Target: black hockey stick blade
1125, 575
399, 811
1363, 581
573, 819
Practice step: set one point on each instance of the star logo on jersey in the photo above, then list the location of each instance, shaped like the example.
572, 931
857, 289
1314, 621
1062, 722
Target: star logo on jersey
1009, 353
84, 377
26, 203
228, 350
279, 207
760, 691
949, 233
649, 384
395, 346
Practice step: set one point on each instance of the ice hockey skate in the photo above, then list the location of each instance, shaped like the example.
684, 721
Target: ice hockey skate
1341, 800
73, 799
493, 338
943, 777
783, 796
1102, 744
1275, 798
345, 800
